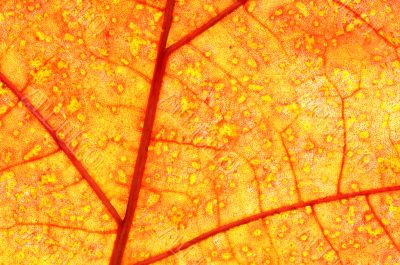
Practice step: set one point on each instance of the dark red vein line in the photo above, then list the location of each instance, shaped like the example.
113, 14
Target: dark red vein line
188, 144
258, 216
60, 227
162, 56
30, 160
344, 149
189, 37
357, 15
296, 184
382, 224
314, 213
81, 169
149, 5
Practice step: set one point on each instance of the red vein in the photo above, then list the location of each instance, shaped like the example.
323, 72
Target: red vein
187, 144
149, 5
162, 56
78, 165
343, 118
189, 37
60, 227
344, 150
357, 15
314, 213
258, 216
382, 224
30, 160
296, 184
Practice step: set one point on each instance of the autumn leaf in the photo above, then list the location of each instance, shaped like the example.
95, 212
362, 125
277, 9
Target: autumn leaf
199, 132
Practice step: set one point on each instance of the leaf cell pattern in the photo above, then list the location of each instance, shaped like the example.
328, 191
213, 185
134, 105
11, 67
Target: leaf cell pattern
199, 132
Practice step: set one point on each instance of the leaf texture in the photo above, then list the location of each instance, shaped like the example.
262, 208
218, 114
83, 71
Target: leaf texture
199, 132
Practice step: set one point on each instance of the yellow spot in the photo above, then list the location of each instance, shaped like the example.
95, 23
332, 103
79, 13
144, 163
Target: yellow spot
257, 232
252, 63
157, 16
48, 178
251, 6
306, 168
308, 209
241, 99
364, 135
196, 165
105, 217
278, 12
135, 45
354, 186
255, 87
193, 72
152, 199
226, 256
329, 256
56, 89
74, 105
41, 36
42, 75
350, 27
255, 162
81, 117
218, 86
192, 179
209, 208
227, 130
186, 105
208, 8
122, 176
310, 41
303, 9
69, 37
33, 152
61, 64
245, 78
124, 61
350, 215
20, 255
374, 232
266, 98
120, 88
3, 109
86, 209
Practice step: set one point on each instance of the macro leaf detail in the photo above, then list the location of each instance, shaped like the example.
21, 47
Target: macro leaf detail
199, 132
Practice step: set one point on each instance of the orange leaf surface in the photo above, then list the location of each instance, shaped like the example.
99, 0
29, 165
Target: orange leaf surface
199, 132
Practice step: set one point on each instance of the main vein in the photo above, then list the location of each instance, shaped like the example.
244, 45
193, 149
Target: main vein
123, 231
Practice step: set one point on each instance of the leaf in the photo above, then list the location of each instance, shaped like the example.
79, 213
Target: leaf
199, 132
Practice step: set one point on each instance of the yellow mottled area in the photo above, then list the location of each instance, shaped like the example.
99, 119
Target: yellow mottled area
275, 139
84, 69
280, 102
